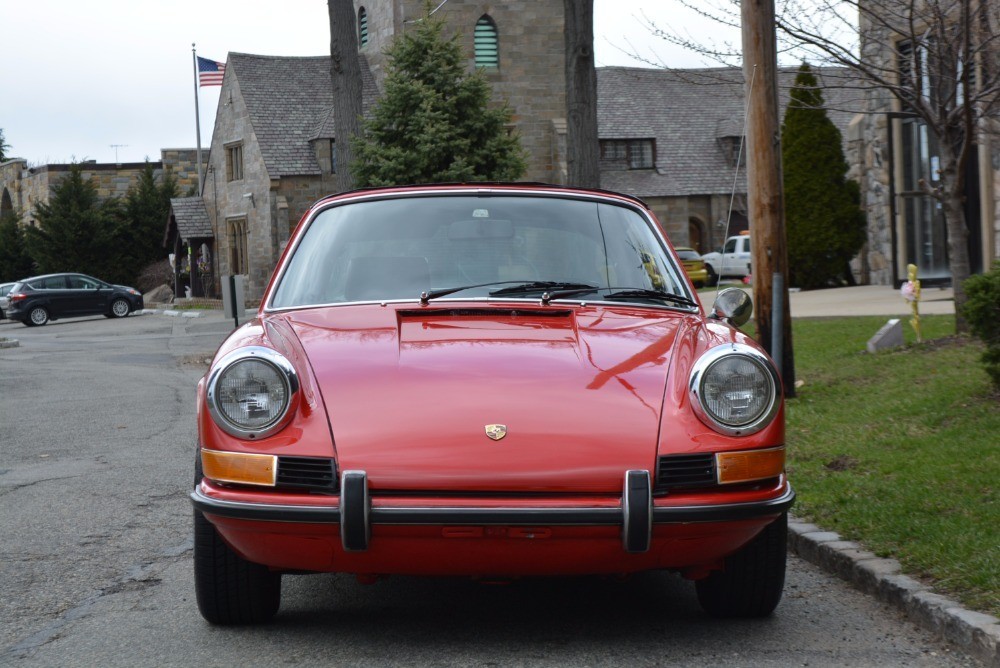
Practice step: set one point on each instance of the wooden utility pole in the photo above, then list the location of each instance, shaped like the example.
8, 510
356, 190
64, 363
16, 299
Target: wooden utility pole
345, 77
582, 148
765, 193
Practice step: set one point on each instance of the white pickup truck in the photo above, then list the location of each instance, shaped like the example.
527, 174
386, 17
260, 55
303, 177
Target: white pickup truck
734, 260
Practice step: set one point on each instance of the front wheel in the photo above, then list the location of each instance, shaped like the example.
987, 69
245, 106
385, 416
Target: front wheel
120, 308
37, 317
753, 578
230, 589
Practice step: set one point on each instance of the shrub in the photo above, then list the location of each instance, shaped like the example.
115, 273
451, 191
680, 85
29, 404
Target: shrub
982, 312
825, 224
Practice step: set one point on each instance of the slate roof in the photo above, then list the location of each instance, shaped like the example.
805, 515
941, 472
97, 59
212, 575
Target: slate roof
289, 101
191, 217
687, 111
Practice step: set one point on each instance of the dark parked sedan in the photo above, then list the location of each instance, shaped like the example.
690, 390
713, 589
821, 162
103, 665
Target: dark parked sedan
35, 301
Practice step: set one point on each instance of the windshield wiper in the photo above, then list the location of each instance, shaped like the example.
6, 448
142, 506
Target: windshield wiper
542, 286
444, 292
643, 293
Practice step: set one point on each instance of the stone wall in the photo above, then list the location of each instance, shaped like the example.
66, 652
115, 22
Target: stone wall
183, 165
870, 136
30, 186
15, 184
707, 212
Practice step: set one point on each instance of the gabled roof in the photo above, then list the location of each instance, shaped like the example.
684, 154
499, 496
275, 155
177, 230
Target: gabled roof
687, 112
191, 217
289, 101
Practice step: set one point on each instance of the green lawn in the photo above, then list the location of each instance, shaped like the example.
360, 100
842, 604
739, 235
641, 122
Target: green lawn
900, 450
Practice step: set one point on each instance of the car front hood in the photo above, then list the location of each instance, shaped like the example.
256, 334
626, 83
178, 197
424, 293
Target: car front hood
411, 393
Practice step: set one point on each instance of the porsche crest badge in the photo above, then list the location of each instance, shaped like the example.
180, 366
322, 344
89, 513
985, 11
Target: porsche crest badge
496, 431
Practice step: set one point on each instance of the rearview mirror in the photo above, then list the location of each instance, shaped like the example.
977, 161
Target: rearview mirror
481, 228
734, 306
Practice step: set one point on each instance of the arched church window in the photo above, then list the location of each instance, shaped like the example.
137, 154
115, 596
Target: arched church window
362, 27
487, 43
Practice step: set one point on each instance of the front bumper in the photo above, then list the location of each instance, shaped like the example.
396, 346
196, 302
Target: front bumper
634, 514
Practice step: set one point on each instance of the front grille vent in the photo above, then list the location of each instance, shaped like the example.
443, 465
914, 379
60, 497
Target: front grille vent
307, 473
675, 471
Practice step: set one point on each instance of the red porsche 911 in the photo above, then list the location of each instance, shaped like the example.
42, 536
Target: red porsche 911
488, 381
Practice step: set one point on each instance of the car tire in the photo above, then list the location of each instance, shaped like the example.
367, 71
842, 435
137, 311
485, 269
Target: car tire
753, 578
37, 317
713, 278
120, 308
229, 589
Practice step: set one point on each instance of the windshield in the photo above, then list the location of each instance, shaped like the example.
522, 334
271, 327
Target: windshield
468, 246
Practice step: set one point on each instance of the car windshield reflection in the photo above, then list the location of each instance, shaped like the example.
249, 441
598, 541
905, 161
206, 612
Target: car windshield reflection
514, 247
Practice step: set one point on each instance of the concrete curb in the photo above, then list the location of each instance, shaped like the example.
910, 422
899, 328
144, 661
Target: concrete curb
183, 314
976, 633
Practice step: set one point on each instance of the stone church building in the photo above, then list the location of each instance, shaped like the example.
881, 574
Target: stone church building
273, 150
897, 151
671, 137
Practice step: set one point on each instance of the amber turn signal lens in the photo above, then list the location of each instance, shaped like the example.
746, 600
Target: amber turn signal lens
238, 467
749, 465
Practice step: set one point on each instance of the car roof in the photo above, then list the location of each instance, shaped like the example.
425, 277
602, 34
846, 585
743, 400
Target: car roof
59, 273
524, 187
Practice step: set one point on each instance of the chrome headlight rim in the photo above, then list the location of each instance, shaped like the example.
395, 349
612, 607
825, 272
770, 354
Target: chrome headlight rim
697, 381
285, 371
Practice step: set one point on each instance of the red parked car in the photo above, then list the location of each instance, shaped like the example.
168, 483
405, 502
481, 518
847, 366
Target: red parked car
489, 381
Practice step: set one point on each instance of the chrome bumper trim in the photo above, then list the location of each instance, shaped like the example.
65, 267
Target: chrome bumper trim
525, 516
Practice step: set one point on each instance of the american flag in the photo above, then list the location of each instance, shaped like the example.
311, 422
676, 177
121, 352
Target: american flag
210, 72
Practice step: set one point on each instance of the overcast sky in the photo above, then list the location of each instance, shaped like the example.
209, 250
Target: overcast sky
80, 76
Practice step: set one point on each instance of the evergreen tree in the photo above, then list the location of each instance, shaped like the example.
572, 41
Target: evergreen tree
434, 122
4, 146
76, 231
139, 234
824, 222
15, 262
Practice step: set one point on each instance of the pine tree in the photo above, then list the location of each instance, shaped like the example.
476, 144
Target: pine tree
4, 146
76, 231
139, 236
15, 262
434, 122
824, 222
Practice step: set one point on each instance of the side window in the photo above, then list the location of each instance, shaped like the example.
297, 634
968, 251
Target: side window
730, 246
234, 162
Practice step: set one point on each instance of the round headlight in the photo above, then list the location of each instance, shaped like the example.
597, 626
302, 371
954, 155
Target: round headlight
250, 392
735, 389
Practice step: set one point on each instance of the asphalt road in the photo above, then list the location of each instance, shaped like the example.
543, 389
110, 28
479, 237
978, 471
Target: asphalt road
96, 452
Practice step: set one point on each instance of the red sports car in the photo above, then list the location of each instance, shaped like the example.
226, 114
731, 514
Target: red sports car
489, 381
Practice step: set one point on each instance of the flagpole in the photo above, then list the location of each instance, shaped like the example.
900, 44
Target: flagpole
197, 118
